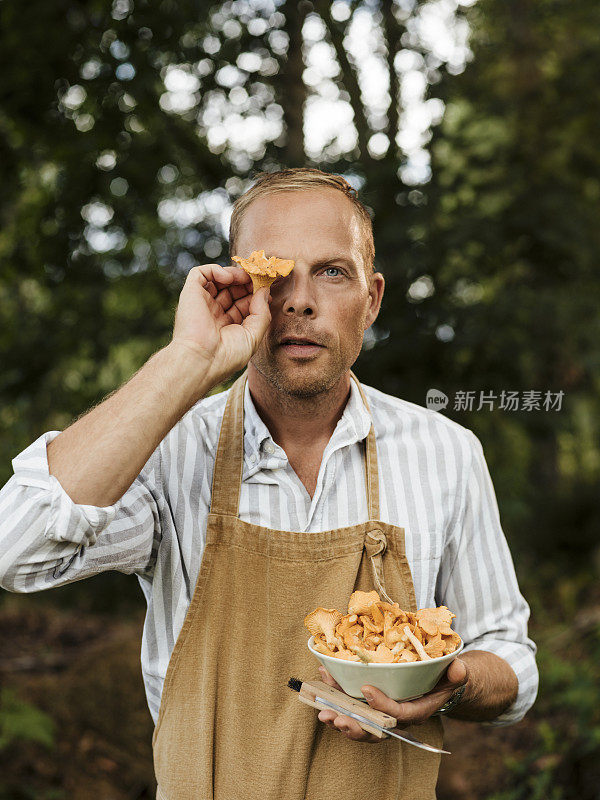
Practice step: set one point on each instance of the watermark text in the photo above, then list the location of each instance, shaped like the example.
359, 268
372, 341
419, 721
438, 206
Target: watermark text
527, 400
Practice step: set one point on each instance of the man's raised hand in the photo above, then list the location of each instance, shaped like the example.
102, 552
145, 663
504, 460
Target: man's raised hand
220, 319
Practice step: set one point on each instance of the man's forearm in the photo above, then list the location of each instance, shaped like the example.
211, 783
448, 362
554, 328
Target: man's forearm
99, 456
491, 687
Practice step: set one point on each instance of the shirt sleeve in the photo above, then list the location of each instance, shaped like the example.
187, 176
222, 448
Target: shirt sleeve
477, 581
47, 540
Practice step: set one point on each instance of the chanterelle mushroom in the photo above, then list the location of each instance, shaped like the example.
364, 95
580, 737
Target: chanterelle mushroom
360, 602
263, 270
324, 620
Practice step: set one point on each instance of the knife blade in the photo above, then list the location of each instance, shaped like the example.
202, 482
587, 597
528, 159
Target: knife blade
405, 737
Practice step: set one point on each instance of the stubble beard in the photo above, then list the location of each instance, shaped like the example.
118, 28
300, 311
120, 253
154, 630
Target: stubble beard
304, 381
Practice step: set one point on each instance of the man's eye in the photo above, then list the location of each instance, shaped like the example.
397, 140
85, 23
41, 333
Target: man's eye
334, 268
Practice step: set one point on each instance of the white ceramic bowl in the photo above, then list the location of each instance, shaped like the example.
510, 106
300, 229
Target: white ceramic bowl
398, 681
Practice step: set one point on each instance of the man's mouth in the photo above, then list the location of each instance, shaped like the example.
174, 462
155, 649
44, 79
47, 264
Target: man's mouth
299, 340
300, 346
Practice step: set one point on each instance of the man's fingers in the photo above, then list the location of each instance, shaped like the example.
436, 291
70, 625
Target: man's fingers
326, 678
259, 315
241, 307
410, 712
352, 729
259, 302
233, 293
236, 313
377, 699
227, 297
218, 275
457, 672
327, 716
346, 725
456, 675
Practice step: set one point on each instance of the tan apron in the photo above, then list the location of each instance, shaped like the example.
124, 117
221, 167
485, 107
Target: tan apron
229, 727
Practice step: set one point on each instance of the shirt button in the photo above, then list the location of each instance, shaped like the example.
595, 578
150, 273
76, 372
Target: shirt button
269, 449
252, 459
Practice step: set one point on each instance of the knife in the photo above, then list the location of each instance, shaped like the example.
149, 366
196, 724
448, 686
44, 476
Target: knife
405, 737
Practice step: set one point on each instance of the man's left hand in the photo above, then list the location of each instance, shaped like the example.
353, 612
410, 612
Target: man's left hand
411, 712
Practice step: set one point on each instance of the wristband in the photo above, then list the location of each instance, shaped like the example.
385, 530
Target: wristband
454, 700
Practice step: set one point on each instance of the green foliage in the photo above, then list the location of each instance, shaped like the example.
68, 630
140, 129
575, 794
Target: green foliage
22, 722
563, 762
31, 793
506, 232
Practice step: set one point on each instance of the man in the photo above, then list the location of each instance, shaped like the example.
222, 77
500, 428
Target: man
242, 511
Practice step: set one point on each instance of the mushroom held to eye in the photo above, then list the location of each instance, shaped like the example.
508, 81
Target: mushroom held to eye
264, 271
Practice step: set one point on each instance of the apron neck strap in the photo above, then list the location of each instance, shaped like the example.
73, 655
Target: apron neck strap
229, 461
370, 456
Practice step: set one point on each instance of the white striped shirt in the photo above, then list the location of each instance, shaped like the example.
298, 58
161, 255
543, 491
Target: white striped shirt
433, 482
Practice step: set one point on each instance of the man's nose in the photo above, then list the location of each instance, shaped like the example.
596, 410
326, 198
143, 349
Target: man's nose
298, 295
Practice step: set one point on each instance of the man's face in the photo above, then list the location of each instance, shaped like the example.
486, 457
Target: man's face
326, 298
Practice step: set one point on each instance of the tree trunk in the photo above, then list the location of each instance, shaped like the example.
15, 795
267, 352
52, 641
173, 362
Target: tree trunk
393, 34
290, 83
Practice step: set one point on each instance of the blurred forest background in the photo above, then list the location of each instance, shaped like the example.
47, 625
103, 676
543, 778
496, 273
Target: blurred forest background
127, 129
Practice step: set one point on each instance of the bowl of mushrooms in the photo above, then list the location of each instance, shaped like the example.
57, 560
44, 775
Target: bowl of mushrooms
402, 653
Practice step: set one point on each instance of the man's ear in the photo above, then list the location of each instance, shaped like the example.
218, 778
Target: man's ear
376, 288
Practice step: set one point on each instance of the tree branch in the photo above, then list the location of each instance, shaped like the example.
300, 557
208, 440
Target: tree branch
392, 33
349, 75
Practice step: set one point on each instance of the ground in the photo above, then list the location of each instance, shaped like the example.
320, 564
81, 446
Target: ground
83, 670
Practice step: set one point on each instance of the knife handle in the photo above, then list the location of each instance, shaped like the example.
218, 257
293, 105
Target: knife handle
310, 689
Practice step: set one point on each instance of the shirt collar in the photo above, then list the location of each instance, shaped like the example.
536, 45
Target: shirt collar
255, 430
353, 426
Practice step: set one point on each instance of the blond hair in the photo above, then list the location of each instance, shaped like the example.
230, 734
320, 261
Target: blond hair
299, 178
